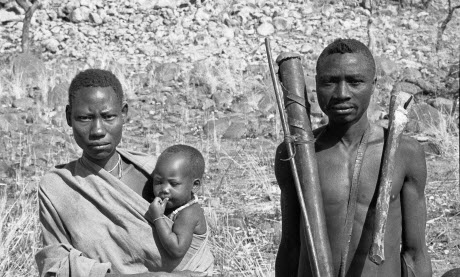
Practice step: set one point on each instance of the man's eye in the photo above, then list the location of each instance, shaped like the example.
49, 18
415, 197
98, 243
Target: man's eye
110, 117
174, 184
84, 118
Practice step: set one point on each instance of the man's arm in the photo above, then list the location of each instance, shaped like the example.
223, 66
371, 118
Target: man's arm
287, 259
414, 253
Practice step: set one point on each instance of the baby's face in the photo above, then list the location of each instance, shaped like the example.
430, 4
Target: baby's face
171, 179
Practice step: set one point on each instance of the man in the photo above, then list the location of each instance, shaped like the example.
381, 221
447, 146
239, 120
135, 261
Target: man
345, 81
92, 210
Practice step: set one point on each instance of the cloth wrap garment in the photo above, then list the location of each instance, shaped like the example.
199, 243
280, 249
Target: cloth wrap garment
93, 223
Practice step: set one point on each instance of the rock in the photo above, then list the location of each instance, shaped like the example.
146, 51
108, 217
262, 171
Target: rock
6, 171
265, 29
266, 104
201, 16
58, 97
23, 103
80, 14
412, 73
422, 116
385, 66
281, 23
28, 67
6, 16
228, 33
51, 45
222, 99
216, 126
167, 72
431, 148
410, 88
95, 18
306, 48
442, 104
236, 130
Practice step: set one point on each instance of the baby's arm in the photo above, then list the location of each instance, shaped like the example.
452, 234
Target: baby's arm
177, 240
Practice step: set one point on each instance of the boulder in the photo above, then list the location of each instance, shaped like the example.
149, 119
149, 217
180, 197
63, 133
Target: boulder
236, 130
23, 103
410, 88
95, 18
281, 23
167, 72
58, 96
265, 29
6, 16
216, 126
51, 45
422, 116
442, 104
222, 99
28, 67
385, 66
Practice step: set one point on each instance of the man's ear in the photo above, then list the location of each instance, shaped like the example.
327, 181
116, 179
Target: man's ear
68, 115
196, 185
374, 84
124, 110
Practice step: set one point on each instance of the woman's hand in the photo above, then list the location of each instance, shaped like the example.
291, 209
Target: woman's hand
157, 207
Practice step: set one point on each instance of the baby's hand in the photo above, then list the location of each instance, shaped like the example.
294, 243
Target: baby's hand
157, 207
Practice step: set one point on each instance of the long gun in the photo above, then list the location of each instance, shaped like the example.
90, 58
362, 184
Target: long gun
300, 146
399, 106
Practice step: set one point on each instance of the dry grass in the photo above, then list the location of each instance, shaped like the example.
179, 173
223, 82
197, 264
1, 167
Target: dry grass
240, 192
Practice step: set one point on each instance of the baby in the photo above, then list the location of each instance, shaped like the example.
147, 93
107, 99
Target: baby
184, 231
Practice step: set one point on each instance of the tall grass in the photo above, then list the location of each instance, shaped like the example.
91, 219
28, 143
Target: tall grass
240, 194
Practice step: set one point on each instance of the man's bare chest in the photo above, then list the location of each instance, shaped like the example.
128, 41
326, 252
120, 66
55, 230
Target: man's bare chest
336, 170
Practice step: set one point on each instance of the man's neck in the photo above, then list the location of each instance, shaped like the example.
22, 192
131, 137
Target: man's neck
348, 134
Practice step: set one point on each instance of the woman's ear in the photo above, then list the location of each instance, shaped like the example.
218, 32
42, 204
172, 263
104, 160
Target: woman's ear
68, 115
124, 110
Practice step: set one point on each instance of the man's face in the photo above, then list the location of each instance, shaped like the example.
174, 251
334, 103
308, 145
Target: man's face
172, 179
96, 117
344, 85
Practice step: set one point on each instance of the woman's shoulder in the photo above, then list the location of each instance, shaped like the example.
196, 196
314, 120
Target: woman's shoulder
143, 160
57, 175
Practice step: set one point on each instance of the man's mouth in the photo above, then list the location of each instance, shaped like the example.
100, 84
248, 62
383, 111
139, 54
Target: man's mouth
98, 145
341, 109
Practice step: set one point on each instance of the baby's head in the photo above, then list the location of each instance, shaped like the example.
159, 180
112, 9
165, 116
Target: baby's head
178, 174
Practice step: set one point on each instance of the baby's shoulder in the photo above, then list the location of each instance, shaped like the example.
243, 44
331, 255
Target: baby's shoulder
194, 216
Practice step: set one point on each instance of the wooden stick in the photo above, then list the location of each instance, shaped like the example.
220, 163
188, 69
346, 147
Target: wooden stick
399, 104
302, 158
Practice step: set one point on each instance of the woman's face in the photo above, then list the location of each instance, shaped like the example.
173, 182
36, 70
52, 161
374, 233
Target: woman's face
96, 117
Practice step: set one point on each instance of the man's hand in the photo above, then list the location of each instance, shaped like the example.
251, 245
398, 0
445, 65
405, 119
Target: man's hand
157, 207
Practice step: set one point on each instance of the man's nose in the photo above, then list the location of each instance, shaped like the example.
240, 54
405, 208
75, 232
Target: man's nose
97, 128
342, 90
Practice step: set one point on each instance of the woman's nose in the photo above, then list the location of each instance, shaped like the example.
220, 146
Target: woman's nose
97, 128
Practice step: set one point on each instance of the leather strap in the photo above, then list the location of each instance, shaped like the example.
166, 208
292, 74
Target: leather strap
352, 200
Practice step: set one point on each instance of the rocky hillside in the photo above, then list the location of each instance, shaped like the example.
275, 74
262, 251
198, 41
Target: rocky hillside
205, 60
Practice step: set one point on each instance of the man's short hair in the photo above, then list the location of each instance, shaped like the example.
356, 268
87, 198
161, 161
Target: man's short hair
343, 46
95, 78
195, 158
